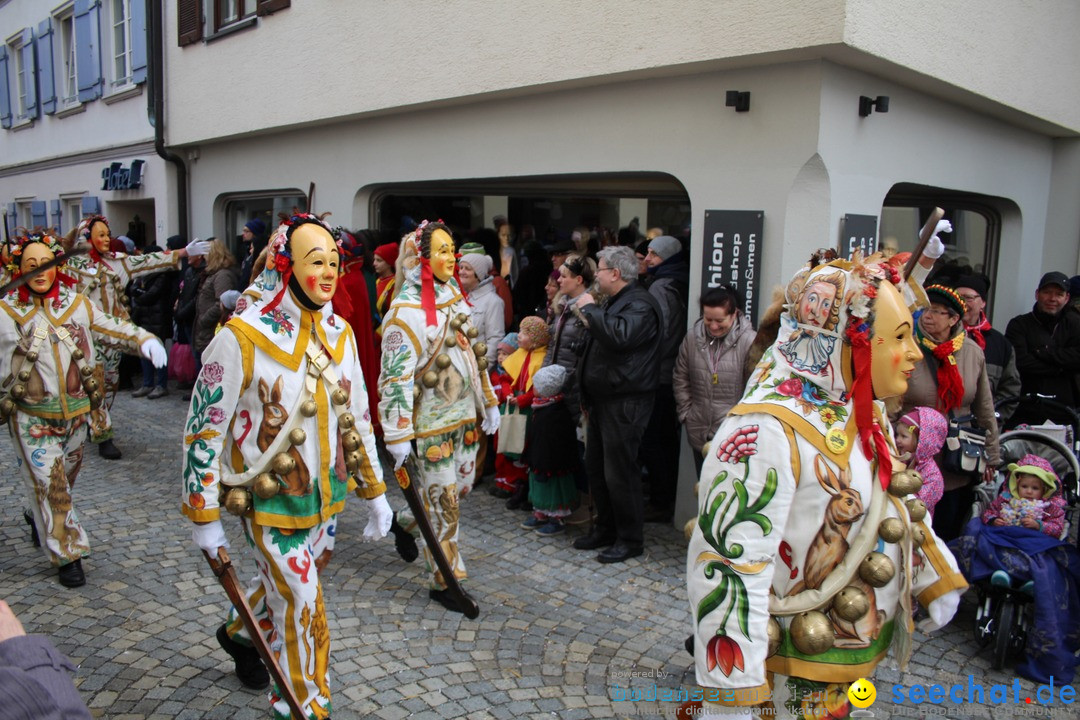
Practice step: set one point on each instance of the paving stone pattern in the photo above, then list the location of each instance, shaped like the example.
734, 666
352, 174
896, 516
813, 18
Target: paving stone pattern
557, 629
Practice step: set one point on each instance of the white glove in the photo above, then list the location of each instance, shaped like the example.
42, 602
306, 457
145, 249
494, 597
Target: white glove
210, 537
154, 351
379, 517
490, 426
399, 451
197, 247
934, 247
941, 612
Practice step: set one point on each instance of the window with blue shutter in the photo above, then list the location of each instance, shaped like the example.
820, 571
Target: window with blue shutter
12, 221
138, 42
88, 49
30, 110
46, 82
91, 206
38, 216
5, 97
54, 213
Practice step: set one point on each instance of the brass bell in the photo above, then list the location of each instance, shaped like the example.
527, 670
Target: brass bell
442, 361
283, 464
77, 353
811, 632
455, 324
462, 318
339, 397
473, 333
266, 486
877, 570
24, 375
482, 363
297, 436
7, 406
123, 299
31, 357
86, 371
308, 408
96, 398
18, 392
353, 461
480, 349
776, 634
916, 509
451, 340
351, 441
430, 379
417, 391
891, 530
238, 501
918, 535
346, 421
904, 483
91, 384
850, 604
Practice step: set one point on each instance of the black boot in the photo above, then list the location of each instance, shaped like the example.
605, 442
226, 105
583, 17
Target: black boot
33, 528
71, 575
249, 666
444, 598
404, 542
108, 450
519, 498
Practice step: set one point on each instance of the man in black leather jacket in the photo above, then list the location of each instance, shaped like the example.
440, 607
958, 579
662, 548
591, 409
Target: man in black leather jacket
619, 373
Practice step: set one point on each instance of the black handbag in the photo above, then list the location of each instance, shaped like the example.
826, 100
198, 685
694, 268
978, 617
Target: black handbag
964, 452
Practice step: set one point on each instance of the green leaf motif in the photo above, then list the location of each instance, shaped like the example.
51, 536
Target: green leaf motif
288, 540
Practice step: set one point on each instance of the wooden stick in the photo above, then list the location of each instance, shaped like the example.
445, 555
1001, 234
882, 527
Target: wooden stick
925, 234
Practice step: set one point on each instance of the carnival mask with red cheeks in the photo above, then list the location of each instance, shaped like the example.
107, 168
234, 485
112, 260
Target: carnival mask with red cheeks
100, 237
315, 264
34, 255
893, 352
441, 255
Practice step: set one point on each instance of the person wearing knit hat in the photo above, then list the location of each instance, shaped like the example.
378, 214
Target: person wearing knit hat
552, 434
1016, 544
1000, 357
507, 345
497, 281
664, 247
953, 380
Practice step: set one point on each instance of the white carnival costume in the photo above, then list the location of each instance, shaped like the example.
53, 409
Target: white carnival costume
802, 565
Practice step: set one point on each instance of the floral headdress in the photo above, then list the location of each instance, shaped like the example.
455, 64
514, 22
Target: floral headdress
50, 241
279, 257
414, 246
82, 233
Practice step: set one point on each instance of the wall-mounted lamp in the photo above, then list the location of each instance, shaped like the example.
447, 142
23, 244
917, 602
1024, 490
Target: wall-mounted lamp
738, 100
869, 105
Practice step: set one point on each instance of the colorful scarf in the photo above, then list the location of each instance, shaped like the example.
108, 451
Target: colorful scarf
976, 331
950, 384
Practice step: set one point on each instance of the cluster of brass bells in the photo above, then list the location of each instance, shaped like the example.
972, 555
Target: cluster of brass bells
811, 632
442, 361
904, 483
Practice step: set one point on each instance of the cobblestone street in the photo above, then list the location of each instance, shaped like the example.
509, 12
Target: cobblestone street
557, 630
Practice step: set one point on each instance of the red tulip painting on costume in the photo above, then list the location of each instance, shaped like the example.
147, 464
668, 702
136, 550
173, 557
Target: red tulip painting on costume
725, 653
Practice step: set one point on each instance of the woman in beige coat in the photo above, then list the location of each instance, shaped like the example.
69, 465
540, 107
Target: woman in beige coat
709, 378
946, 348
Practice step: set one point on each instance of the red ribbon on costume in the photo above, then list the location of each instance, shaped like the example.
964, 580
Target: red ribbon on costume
285, 277
427, 291
862, 393
94, 254
53, 292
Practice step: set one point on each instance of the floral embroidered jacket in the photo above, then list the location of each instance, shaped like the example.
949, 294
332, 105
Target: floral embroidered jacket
410, 349
104, 281
54, 388
252, 382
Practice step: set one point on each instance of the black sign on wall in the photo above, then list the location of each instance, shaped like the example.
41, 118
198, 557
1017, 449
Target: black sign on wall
732, 254
118, 177
858, 232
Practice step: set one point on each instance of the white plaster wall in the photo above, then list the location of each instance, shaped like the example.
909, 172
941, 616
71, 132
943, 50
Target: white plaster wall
320, 61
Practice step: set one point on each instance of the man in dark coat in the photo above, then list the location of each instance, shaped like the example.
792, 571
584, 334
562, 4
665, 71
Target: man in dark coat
619, 373
152, 299
1047, 343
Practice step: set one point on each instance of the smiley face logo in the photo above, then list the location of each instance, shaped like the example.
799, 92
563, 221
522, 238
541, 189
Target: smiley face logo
862, 693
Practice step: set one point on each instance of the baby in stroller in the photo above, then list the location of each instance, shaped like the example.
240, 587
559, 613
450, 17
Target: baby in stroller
1017, 540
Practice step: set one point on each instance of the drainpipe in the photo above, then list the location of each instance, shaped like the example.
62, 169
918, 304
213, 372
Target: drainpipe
156, 109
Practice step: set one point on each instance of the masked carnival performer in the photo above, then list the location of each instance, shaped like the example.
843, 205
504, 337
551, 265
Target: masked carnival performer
278, 431
790, 607
49, 335
103, 275
432, 387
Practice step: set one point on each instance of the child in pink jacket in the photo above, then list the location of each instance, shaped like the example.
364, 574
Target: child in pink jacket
920, 434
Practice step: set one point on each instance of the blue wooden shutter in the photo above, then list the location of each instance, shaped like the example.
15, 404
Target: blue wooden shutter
91, 206
38, 216
88, 49
12, 221
46, 82
5, 98
30, 72
54, 212
138, 41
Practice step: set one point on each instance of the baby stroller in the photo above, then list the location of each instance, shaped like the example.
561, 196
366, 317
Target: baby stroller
1003, 615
